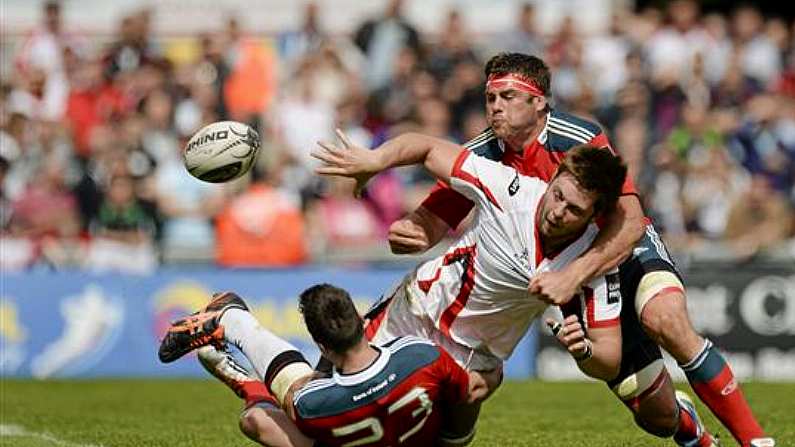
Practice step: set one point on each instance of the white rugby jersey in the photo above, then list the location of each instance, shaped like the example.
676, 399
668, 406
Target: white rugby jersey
477, 292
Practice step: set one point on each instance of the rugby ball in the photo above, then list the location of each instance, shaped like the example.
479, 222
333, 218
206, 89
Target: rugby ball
221, 151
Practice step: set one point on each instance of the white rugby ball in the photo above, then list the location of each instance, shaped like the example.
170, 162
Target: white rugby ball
221, 151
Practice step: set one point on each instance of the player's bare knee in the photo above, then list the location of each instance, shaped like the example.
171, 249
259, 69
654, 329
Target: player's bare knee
665, 318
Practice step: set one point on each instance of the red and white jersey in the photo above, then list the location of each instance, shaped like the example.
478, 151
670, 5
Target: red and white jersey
477, 293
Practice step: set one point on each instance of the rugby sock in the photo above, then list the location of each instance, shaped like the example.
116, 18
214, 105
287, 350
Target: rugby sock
714, 383
255, 392
258, 344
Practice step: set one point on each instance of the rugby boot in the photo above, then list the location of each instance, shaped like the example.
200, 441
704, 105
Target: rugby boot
703, 437
199, 329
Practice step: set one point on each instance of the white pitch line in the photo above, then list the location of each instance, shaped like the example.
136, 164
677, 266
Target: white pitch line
13, 430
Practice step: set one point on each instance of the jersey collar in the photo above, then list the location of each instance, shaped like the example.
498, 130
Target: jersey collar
366, 374
542, 137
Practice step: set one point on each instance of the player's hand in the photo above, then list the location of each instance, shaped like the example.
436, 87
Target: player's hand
570, 334
406, 237
347, 160
553, 287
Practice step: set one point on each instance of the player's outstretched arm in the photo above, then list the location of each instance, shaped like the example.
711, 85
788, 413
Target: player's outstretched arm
598, 354
348, 160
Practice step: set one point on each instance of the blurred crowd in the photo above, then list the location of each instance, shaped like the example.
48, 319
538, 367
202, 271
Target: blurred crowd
701, 106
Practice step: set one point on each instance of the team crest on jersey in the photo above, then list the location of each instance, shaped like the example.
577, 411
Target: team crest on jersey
513, 188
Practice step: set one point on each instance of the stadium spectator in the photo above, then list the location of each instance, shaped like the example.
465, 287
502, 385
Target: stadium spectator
92, 102
300, 118
463, 92
122, 225
40, 64
453, 48
761, 59
251, 85
46, 214
188, 206
295, 44
524, 38
339, 222
765, 141
202, 83
261, 227
395, 102
159, 139
759, 219
133, 48
672, 49
382, 40
710, 188
604, 59
17, 252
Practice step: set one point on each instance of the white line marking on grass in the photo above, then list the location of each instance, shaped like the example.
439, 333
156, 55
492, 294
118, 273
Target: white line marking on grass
12, 430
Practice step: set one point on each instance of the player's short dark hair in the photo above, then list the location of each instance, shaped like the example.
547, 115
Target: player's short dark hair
597, 170
331, 318
525, 65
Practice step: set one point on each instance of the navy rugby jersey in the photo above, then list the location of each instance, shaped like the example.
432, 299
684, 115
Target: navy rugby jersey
395, 401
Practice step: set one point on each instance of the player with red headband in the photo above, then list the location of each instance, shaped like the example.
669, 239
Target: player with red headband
528, 135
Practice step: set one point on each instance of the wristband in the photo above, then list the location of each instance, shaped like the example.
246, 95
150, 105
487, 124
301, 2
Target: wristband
585, 355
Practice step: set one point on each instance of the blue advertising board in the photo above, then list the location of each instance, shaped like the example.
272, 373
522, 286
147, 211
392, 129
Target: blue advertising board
74, 324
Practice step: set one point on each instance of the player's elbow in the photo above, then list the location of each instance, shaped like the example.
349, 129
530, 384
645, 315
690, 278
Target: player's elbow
633, 221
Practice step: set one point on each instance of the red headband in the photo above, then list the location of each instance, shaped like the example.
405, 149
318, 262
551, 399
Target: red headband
518, 82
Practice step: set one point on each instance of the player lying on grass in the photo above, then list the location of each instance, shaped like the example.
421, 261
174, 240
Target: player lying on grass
477, 300
527, 134
389, 395
366, 399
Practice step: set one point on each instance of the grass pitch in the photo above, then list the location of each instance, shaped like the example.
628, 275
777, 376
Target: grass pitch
197, 413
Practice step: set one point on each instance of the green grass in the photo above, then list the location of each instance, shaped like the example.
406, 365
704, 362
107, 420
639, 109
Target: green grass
196, 413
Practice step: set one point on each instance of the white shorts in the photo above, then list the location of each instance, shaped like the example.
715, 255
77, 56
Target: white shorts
397, 315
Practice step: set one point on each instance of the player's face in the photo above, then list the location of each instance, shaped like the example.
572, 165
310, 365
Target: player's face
566, 209
511, 112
